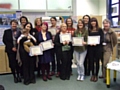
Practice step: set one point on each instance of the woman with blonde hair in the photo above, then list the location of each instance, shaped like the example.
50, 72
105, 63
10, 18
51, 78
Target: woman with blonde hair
65, 53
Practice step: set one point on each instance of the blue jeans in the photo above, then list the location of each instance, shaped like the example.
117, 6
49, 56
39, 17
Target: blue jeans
80, 57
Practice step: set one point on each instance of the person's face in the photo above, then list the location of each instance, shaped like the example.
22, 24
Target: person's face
28, 27
53, 22
64, 28
106, 25
80, 25
44, 27
93, 23
86, 20
14, 25
23, 21
69, 22
38, 22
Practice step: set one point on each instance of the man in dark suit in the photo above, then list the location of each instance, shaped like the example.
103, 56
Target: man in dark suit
10, 40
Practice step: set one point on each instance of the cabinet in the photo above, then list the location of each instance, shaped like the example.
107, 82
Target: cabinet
4, 64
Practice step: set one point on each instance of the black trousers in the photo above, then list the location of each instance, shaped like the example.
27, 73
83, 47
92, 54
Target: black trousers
28, 69
65, 66
13, 64
87, 65
94, 57
54, 61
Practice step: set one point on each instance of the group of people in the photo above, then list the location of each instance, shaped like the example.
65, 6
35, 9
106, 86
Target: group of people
19, 38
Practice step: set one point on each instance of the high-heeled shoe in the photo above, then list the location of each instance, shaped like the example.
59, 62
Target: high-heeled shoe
15, 80
44, 78
19, 79
92, 78
49, 77
96, 79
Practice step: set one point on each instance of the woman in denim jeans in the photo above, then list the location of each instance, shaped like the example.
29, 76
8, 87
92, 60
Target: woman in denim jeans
80, 51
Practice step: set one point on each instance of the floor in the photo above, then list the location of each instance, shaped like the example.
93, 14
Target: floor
57, 84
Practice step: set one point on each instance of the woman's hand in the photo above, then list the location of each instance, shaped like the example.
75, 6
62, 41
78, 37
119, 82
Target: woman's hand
64, 43
84, 43
14, 49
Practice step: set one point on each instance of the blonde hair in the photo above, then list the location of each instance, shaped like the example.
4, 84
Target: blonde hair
62, 24
35, 22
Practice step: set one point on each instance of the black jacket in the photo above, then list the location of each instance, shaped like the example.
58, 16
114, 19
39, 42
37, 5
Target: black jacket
8, 40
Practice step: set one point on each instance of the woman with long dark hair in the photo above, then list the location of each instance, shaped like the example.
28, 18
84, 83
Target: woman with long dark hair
86, 19
95, 50
28, 62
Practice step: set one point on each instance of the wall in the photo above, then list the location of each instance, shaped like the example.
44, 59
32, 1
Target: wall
90, 7
103, 8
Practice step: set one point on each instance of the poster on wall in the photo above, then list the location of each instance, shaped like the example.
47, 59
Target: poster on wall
5, 18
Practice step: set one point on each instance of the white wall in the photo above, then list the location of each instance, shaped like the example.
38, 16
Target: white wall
103, 8
90, 7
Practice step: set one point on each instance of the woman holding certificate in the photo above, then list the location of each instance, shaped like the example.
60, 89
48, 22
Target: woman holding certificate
110, 40
28, 62
95, 40
80, 34
64, 46
42, 37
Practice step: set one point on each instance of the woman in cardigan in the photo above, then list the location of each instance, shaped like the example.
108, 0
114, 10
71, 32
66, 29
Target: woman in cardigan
46, 58
65, 55
80, 51
110, 40
95, 50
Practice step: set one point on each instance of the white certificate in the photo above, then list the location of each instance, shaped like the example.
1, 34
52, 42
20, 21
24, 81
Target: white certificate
77, 41
35, 50
47, 45
53, 31
93, 40
65, 37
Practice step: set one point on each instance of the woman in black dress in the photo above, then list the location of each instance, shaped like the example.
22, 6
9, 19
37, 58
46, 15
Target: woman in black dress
95, 50
27, 61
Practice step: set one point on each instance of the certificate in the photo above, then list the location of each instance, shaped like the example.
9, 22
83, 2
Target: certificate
77, 41
53, 31
93, 40
36, 50
47, 45
65, 37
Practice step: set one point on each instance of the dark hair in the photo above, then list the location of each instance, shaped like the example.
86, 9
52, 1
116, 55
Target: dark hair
86, 16
24, 18
53, 18
71, 21
93, 19
82, 23
88, 21
15, 21
27, 24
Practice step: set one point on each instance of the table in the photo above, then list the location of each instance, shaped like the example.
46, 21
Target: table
115, 66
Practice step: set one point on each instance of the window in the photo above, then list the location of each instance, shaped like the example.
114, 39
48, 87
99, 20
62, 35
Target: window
115, 10
33, 4
59, 4
115, 1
